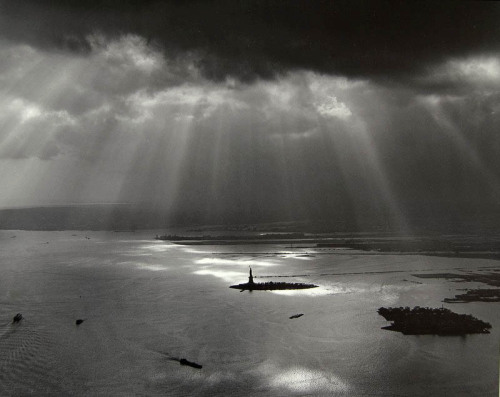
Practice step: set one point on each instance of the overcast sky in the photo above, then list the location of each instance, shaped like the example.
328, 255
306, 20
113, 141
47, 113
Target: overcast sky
251, 110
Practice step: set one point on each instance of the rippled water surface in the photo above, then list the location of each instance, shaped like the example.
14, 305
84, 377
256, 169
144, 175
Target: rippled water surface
145, 302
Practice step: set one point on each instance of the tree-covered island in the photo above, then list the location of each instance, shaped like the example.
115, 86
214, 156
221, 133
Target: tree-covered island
425, 321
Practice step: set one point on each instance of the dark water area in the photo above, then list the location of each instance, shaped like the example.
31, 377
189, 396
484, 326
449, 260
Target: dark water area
145, 302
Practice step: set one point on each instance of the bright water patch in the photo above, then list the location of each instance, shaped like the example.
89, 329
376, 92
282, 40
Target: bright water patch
234, 262
318, 291
227, 275
303, 381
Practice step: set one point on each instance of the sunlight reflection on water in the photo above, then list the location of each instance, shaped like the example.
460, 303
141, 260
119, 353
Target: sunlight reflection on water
303, 257
195, 251
153, 268
144, 266
319, 291
228, 276
239, 262
303, 380
157, 247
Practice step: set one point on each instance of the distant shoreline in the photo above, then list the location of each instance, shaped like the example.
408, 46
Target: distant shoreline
368, 245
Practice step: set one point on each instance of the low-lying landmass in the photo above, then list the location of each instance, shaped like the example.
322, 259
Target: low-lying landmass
240, 239
429, 246
456, 247
476, 295
428, 321
488, 278
264, 236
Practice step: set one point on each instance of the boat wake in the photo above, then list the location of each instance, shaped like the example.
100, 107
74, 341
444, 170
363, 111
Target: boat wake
25, 360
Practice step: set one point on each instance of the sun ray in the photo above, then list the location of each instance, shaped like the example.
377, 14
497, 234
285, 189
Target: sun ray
452, 130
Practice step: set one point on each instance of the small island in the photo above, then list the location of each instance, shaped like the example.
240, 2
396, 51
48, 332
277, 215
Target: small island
269, 286
428, 321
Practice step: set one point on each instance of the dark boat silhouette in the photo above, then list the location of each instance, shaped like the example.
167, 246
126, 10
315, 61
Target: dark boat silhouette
183, 361
296, 315
79, 321
18, 317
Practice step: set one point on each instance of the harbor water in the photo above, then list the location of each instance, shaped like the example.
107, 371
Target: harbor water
146, 304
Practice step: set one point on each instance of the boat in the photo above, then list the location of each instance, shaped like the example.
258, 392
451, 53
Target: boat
183, 361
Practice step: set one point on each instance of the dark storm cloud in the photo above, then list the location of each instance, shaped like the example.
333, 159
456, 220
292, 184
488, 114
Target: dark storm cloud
248, 39
353, 108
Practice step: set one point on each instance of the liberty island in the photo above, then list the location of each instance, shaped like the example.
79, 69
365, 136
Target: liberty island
269, 286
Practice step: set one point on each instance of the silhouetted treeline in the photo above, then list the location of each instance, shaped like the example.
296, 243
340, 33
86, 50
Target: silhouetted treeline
425, 320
